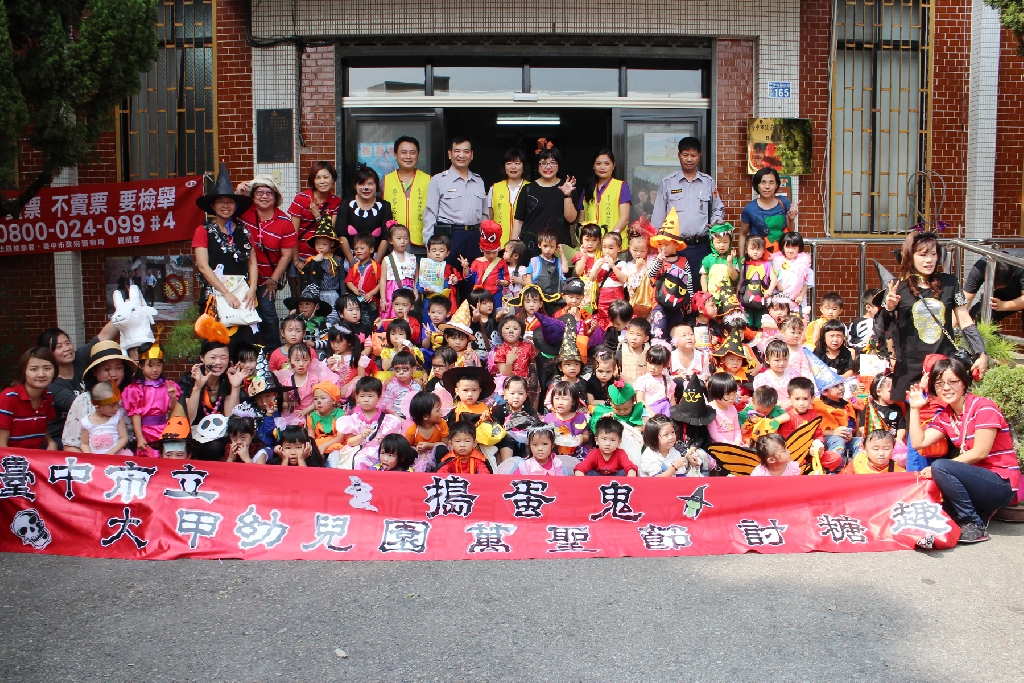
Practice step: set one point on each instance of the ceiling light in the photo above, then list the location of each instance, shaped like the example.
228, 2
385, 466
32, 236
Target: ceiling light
516, 119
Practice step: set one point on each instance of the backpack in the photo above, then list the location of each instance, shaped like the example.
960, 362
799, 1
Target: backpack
671, 290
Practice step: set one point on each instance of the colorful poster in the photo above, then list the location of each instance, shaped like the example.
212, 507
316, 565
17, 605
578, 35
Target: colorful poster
380, 156
157, 509
104, 216
165, 281
432, 275
782, 144
662, 149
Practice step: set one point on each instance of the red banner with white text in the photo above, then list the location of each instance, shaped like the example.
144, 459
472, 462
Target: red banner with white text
99, 506
104, 216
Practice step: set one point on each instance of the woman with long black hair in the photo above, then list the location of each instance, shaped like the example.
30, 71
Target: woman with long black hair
606, 200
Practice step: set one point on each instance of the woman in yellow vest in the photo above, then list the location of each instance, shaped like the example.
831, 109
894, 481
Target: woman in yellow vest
406, 188
504, 194
605, 200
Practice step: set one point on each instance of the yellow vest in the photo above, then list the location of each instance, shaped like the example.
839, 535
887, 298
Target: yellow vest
407, 210
504, 209
605, 212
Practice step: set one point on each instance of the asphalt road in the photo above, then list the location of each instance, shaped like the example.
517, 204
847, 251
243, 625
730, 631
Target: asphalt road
955, 615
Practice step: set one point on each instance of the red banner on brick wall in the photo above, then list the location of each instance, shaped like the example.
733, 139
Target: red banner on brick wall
98, 506
104, 216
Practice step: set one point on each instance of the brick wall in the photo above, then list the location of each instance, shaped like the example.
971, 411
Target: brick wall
1006, 214
952, 50
28, 305
735, 93
234, 90
317, 125
815, 28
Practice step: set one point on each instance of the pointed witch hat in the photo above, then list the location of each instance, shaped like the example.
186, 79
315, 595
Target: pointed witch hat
460, 321
569, 350
310, 294
324, 228
690, 406
884, 278
824, 376
223, 188
733, 345
669, 232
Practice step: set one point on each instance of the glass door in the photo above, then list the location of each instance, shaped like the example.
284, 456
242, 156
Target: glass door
645, 145
369, 137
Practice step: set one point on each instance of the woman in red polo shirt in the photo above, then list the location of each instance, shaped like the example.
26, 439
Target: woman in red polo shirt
305, 211
27, 407
986, 475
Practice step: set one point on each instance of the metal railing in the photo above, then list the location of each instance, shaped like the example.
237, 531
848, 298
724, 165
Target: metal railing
953, 261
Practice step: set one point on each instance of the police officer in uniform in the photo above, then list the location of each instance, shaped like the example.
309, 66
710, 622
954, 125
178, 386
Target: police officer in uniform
456, 204
694, 196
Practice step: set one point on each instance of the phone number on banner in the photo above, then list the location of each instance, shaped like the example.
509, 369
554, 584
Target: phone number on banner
77, 234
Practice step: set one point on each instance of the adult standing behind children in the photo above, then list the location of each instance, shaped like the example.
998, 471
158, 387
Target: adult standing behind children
694, 196
503, 197
364, 214
921, 307
405, 189
456, 201
769, 215
306, 208
274, 240
606, 200
545, 203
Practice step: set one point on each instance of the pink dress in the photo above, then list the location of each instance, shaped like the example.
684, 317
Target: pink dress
726, 427
655, 392
368, 454
792, 470
317, 372
150, 400
405, 278
531, 467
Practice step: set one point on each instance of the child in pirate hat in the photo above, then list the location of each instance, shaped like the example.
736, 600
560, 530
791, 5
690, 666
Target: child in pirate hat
323, 268
312, 312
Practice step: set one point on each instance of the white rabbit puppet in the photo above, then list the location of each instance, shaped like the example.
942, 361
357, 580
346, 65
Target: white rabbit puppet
133, 319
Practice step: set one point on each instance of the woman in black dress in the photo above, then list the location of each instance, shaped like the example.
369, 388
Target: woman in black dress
545, 203
365, 214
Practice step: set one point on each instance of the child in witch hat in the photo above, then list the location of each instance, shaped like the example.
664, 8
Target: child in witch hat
569, 362
692, 414
732, 357
458, 333
313, 312
490, 270
324, 269
672, 277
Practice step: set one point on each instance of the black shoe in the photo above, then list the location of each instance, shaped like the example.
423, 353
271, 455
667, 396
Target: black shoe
972, 533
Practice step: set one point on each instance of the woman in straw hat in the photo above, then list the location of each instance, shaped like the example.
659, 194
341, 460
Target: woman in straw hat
107, 363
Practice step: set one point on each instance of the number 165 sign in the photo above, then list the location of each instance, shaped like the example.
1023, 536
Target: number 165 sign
104, 216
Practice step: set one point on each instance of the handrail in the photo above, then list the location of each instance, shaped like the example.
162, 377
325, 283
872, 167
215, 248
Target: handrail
862, 264
991, 258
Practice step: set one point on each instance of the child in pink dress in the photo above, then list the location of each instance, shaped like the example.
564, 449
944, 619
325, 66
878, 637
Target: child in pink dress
722, 389
149, 400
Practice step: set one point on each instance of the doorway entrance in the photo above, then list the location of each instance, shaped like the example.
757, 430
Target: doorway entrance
577, 133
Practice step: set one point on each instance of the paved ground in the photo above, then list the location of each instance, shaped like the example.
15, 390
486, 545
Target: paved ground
956, 615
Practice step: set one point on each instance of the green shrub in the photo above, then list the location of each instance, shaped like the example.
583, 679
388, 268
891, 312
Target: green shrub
1000, 350
1004, 384
182, 343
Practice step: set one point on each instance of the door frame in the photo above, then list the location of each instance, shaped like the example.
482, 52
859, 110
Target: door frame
623, 115
351, 117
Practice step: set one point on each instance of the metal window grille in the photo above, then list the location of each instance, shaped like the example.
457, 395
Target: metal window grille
881, 89
168, 128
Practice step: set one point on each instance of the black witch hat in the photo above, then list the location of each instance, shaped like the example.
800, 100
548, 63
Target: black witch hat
223, 188
690, 406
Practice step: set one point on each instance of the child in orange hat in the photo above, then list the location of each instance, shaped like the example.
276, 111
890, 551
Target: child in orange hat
321, 424
489, 271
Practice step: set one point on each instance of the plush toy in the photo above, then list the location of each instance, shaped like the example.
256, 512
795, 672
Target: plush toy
133, 319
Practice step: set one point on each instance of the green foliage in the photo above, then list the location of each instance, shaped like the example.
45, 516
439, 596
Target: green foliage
64, 66
1011, 14
793, 146
1004, 384
182, 343
999, 348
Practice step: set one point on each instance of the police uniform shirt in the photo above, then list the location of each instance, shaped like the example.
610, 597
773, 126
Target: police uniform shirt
454, 200
690, 199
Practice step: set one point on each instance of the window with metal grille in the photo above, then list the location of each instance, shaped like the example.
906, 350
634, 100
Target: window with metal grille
880, 98
168, 128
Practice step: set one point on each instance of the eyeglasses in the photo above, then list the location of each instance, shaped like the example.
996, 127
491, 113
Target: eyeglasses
547, 164
952, 384
263, 193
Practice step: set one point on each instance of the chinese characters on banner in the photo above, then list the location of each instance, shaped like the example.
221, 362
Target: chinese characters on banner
99, 506
104, 216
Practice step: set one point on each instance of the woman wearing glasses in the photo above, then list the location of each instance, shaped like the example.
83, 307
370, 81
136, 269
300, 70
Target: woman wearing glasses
920, 309
545, 203
986, 475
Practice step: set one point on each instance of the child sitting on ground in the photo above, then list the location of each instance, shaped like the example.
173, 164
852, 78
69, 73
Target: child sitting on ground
364, 428
401, 383
242, 444
776, 373
570, 423
321, 423
103, 431
542, 461
876, 456
469, 387
516, 416
622, 405
630, 355
465, 457
660, 457
428, 433
775, 458
763, 415
722, 390
396, 455
839, 420
295, 449
607, 460
652, 388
